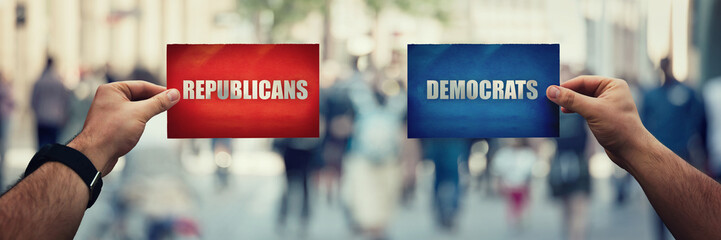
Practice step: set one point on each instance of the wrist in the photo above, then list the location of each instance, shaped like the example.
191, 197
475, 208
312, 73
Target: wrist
80, 144
636, 154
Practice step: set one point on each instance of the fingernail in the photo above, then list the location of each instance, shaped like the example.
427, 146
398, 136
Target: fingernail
173, 95
554, 92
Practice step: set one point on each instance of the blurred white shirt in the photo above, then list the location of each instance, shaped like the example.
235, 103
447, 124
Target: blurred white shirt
514, 165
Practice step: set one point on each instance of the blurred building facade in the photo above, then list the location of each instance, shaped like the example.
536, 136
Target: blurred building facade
615, 37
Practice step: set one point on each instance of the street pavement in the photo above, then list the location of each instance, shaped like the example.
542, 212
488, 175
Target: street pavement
247, 209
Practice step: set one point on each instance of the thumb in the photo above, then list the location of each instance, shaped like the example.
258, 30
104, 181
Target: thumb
570, 100
159, 103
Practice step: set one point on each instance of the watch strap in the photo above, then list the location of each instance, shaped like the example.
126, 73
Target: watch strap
75, 160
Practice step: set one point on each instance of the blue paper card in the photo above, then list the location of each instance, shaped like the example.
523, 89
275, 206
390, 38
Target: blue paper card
482, 90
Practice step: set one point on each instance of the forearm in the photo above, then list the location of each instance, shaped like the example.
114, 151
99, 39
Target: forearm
49, 203
688, 201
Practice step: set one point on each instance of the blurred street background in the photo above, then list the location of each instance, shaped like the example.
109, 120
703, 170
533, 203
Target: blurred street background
363, 179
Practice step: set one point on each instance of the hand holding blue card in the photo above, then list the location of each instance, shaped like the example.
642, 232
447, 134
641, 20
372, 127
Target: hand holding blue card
482, 90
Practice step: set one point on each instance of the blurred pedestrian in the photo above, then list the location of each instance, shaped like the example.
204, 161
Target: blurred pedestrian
50, 103
674, 113
512, 165
7, 104
298, 154
371, 183
154, 188
337, 110
569, 177
446, 155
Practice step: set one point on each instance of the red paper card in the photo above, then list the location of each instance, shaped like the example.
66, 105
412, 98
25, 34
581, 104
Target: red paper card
244, 90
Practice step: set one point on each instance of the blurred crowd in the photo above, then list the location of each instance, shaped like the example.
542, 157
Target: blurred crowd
363, 166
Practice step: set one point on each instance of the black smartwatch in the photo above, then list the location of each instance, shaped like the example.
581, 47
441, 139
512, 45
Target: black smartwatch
75, 160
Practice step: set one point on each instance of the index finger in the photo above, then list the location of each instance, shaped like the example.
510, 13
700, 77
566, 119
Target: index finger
587, 85
138, 90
